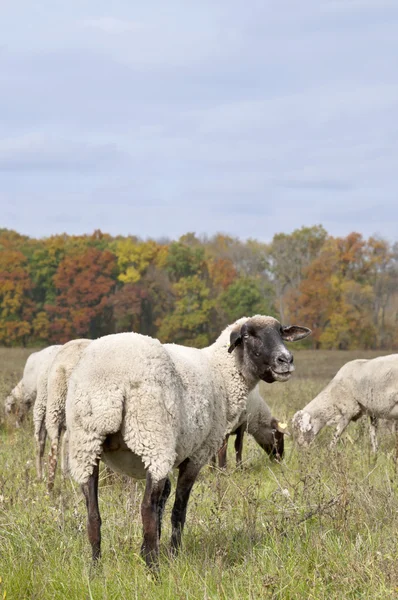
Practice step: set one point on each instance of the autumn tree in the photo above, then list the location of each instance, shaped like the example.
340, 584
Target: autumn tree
16, 305
83, 283
289, 256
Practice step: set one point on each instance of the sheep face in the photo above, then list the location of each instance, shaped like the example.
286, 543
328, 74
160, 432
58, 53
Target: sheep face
273, 439
262, 353
9, 404
304, 430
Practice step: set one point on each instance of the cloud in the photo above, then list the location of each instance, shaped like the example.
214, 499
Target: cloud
205, 116
111, 25
37, 152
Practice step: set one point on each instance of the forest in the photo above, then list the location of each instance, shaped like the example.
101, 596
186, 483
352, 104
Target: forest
186, 291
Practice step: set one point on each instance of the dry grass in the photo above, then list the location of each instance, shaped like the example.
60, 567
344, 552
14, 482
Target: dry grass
321, 525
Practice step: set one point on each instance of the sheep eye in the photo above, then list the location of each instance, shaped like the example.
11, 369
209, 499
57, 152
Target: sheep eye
257, 353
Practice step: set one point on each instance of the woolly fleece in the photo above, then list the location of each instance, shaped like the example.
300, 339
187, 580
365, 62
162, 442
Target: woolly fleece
57, 386
359, 387
256, 418
43, 362
169, 402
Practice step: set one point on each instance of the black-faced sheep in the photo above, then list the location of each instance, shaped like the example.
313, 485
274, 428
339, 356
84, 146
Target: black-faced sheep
144, 408
258, 421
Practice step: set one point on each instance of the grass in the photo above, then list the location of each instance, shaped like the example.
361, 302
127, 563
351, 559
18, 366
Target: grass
322, 525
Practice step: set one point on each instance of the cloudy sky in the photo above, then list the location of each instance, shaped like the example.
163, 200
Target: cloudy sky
162, 117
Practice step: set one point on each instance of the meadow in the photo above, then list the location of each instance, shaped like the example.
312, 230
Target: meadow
320, 525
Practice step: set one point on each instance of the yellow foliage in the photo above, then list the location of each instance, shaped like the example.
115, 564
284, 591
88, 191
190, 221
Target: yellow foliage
133, 258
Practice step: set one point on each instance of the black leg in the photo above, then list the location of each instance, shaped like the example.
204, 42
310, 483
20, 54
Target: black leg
151, 512
222, 454
240, 432
90, 491
162, 504
186, 478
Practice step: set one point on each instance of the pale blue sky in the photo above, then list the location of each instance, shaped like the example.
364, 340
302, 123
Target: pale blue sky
158, 118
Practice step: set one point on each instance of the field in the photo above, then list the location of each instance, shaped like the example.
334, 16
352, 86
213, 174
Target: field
321, 525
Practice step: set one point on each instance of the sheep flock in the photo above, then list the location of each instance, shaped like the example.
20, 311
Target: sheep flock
145, 408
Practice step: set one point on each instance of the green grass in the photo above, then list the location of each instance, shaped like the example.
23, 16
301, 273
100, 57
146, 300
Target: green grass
322, 525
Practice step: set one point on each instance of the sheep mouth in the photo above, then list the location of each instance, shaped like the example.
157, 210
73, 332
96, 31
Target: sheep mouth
271, 375
281, 375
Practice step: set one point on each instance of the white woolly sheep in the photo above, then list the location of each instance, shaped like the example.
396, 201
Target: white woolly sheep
57, 386
23, 396
360, 387
39, 408
257, 420
144, 408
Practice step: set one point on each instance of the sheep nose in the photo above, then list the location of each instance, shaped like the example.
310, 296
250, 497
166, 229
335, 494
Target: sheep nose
285, 358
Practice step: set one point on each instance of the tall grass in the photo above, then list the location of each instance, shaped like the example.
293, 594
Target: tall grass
321, 525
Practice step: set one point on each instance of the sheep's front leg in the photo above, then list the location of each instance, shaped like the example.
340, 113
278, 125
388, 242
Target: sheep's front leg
240, 432
90, 491
222, 454
373, 433
187, 475
341, 426
152, 507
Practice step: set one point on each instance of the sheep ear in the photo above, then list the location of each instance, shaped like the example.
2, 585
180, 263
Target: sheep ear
293, 333
234, 340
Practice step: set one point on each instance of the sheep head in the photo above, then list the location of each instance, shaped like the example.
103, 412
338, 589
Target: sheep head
304, 431
260, 344
10, 404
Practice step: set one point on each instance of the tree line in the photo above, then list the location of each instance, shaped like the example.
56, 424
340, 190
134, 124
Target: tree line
187, 290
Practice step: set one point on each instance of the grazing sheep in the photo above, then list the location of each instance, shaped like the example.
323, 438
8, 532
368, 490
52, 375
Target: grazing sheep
360, 387
23, 395
57, 386
14, 399
144, 408
39, 408
259, 422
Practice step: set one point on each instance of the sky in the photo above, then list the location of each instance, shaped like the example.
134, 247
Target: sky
160, 118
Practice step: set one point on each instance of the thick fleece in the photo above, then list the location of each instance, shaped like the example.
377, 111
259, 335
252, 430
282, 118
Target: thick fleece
166, 402
258, 419
57, 385
43, 364
360, 387
23, 396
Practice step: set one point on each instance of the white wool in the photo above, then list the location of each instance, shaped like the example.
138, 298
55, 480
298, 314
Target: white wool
57, 386
360, 387
24, 393
168, 402
43, 362
256, 418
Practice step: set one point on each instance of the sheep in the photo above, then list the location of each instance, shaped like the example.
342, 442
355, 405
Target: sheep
144, 407
360, 387
259, 422
57, 386
39, 407
22, 397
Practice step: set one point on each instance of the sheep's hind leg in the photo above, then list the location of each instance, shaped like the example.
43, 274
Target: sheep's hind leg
52, 462
155, 496
162, 504
222, 454
90, 491
40, 446
373, 433
186, 478
240, 432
